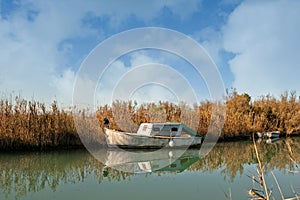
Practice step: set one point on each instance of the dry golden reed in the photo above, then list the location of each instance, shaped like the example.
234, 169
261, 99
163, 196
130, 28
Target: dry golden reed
30, 125
33, 125
243, 115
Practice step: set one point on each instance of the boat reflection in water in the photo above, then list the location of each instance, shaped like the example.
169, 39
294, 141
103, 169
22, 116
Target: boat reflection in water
269, 140
146, 161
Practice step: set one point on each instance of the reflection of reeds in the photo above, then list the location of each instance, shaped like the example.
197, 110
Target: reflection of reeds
228, 195
31, 172
265, 193
55, 168
291, 154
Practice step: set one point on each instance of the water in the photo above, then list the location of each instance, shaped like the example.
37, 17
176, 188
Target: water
78, 175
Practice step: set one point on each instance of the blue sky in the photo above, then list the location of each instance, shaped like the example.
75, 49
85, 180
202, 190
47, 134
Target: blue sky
255, 44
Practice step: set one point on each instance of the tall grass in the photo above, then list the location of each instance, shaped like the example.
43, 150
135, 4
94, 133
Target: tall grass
34, 125
243, 115
30, 125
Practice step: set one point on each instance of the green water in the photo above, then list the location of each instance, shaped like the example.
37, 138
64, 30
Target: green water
226, 170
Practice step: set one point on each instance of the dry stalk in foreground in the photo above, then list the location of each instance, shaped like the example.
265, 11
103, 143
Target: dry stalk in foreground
264, 193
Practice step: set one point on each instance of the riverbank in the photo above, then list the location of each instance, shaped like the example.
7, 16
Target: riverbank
19, 147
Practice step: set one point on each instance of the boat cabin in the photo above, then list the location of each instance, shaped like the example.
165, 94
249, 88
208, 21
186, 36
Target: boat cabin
165, 129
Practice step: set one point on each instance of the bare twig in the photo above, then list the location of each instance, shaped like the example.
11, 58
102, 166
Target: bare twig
255, 192
280, 191
292, 158
295, 193
228, 196
261, 172
253, 178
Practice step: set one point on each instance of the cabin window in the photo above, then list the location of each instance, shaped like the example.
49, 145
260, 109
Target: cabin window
174, 129
145, 127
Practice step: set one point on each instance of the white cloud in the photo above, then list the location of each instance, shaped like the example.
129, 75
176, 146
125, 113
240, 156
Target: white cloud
31, 61
120, 10
211, 40
264, 35
141, 58
113, 75
64, 84
145, 80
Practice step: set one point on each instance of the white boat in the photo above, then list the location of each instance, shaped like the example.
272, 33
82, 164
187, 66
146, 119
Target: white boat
154, 135
272, 134
260, 134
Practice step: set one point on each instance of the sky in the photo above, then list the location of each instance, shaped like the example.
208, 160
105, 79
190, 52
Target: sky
254, 44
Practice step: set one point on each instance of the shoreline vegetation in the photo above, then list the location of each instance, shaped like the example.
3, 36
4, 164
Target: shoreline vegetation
31, 125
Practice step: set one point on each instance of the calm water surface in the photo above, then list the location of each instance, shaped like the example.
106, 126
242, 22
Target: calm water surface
77, 175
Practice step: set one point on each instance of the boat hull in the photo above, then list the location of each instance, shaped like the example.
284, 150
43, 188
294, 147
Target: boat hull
273, 134
132, 140
260, 134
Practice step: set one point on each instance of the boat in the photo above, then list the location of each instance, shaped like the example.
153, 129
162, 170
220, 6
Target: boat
271, 134
154, 135
260, 134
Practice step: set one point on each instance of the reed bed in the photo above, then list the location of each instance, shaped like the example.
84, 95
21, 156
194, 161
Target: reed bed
34, 125
243, 115
31, 125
